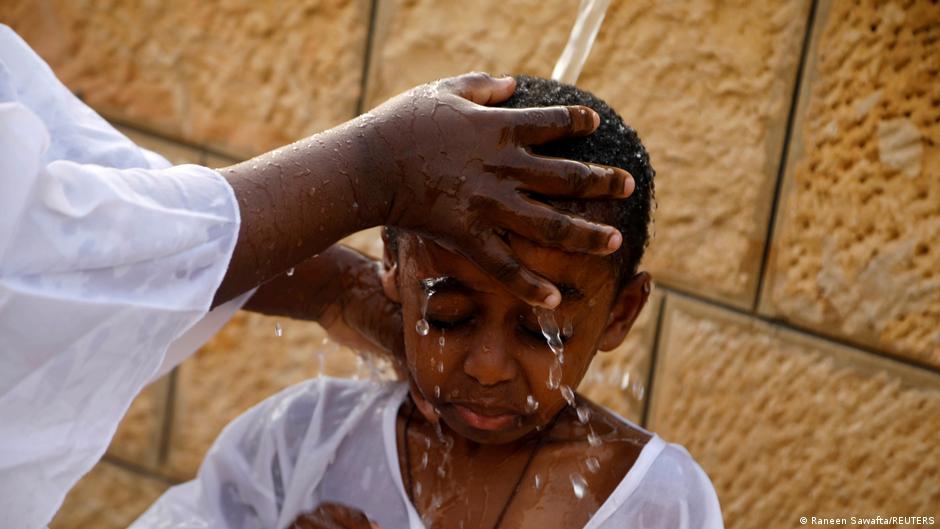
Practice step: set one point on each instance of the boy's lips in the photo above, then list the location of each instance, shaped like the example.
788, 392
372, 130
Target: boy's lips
481, 419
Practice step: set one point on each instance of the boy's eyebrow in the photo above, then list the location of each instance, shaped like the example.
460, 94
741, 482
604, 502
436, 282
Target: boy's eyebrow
569, 292
452, 284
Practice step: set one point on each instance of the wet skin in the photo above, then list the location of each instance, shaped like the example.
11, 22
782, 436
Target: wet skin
435, 161
494, 357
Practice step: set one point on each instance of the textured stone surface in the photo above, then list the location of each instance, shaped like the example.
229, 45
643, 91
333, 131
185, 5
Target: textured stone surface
419, 41
242, 365
707, 85
172, 151
855, 251
108, 497
242, 75
138, 437
787, 425
617, 379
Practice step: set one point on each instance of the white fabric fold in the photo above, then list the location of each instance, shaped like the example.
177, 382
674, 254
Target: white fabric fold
108, 258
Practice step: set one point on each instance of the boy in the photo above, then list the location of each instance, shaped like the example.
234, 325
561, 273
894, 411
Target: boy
487, 432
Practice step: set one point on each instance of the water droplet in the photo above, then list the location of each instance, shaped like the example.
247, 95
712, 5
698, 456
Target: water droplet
355, 205
437, 392
440, 365
554, 375
593, 439
578, 484
625, 381
638, 390
531, 404
424, 461
422, 327
278, 331
290, 272
568, 394
418, 489
593, 464
538, 481
584, 414
551, 332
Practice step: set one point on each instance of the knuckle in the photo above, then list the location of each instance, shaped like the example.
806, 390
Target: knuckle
579, 177
556, 228
506, 270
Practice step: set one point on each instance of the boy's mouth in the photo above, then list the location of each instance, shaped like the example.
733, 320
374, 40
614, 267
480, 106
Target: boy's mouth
484, 419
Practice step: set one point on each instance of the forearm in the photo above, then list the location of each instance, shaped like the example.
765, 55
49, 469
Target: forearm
341, 290
298, 200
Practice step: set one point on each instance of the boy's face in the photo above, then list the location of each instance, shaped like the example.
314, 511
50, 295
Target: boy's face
484, 354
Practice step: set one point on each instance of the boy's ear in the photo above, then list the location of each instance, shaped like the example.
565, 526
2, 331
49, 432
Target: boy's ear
624, 311
389, 274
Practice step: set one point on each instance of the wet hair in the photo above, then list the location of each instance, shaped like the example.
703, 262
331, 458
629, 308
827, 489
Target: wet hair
614, 143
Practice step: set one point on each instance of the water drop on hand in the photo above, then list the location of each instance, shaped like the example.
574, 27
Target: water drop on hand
278, 331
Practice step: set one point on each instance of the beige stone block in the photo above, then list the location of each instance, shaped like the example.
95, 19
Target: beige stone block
855, 250
617, 379
139, 435
175, 152
217, 161
706, 84
242, 76
250, 359
419, 41
108, 497
787, 425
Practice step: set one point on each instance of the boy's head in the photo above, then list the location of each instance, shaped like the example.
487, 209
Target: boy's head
484, 361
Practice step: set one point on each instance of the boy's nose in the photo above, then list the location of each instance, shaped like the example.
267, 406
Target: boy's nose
490, 364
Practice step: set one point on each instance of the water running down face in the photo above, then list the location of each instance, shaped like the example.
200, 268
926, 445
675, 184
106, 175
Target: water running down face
484, 363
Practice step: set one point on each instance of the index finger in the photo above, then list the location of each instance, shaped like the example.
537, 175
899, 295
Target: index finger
534, 126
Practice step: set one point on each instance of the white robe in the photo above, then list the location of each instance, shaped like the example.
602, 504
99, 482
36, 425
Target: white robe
333, 440
109, 257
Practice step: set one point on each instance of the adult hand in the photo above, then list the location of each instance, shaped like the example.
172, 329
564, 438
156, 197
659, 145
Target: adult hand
434, 160
460, 172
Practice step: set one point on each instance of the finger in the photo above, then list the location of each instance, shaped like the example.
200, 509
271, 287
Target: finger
494, 257
548, 227
535, 126
557, 177
481, 88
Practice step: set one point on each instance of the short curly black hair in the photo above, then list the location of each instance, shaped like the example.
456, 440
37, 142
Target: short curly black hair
614, 143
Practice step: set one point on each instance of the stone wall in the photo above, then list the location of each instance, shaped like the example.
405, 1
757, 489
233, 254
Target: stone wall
793, 340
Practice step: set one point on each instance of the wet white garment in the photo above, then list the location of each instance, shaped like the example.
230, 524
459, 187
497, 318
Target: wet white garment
333, 440
108, 257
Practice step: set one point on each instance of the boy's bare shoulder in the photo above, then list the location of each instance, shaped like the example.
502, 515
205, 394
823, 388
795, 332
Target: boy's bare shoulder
579, 459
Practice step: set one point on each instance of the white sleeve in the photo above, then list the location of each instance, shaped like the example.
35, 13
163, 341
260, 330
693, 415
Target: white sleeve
669, 491
104, 263
266, 465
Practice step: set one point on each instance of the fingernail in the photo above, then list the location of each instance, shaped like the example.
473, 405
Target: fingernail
614, 241
552, 300
628, 185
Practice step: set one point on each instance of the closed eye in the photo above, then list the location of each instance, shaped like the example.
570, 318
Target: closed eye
446, 325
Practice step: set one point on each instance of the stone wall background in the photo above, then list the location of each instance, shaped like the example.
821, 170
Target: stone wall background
793, 342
